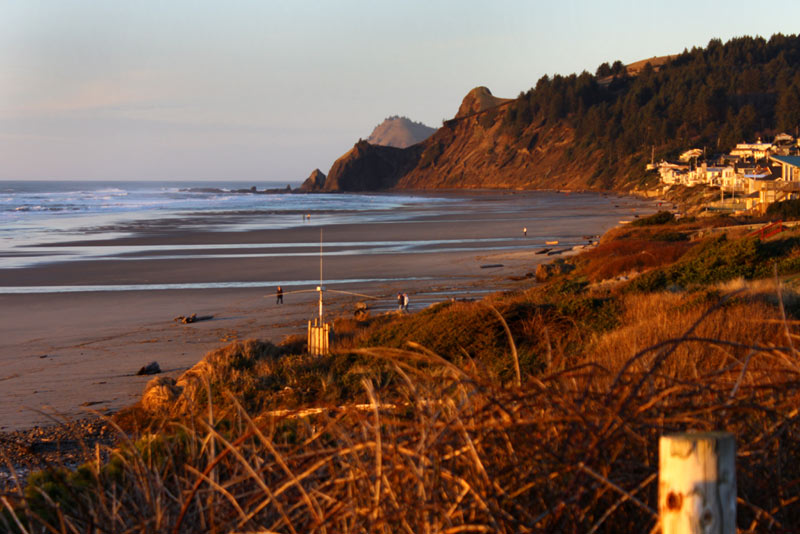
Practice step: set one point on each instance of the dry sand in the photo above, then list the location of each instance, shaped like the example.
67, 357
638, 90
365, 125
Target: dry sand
64, 354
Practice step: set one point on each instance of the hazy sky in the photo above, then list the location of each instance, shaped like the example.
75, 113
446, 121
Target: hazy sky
269, 90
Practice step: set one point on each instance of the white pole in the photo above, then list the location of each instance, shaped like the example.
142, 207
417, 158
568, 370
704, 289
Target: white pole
697, 483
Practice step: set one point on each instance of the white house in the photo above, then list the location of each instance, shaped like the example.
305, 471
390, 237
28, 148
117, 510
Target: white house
755, 151
672, 173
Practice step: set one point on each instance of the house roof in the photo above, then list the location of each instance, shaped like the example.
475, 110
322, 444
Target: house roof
689, 154
794, 161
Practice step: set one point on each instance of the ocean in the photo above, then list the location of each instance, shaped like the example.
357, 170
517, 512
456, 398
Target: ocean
40, 212
48, 223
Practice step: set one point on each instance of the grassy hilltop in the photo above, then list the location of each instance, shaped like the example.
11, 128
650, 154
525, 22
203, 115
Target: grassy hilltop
536, 410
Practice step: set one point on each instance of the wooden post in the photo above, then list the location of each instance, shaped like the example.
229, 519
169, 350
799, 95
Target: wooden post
697, 483
319, 335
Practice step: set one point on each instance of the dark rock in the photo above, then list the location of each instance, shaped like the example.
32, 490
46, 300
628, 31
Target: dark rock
477, 100
315, 182
151, 368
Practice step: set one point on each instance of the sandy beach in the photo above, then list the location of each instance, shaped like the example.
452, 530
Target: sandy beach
75, 350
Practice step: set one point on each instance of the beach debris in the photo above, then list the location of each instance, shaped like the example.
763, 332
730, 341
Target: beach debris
555, 252
543, 251
151, 368
491, 266
553, 242
193, 318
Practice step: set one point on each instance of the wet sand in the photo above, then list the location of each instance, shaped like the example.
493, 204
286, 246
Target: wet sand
66, 354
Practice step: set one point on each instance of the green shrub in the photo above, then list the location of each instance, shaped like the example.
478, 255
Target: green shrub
787, 210
718, 260
661, 217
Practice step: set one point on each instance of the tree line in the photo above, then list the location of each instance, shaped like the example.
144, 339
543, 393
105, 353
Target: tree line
711, 97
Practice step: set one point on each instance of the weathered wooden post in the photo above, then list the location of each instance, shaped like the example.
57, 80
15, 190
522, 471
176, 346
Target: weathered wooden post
697, 483
319, 335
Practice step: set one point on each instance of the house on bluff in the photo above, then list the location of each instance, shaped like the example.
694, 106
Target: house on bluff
754, 175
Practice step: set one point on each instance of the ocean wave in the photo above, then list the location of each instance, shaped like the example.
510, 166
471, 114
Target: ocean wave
39, 207
111, 190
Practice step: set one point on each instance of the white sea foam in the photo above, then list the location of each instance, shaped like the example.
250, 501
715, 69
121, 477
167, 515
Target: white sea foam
44, 223
36, 213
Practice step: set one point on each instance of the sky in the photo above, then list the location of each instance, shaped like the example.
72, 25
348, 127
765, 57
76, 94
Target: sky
270, 90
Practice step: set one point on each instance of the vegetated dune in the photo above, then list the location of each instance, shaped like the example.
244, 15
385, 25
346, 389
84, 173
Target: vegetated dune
535, 410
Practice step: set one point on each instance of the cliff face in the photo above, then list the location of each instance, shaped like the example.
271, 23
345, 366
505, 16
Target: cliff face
471, 151
475, 153
369, 167
477, 100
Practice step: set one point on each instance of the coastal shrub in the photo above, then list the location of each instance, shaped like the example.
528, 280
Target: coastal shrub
721, 259
614, 258
670, 237
300, 380
714, 260
229, 365
788, 210
661, 217
448, 329
470, 332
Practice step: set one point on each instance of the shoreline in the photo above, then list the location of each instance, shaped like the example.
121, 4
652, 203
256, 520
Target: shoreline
70, 352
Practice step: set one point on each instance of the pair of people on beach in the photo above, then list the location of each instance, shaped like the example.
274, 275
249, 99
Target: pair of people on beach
402, 302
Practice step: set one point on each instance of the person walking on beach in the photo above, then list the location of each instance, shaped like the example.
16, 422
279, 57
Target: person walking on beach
279, 294
405, 301
399, 301
525, 230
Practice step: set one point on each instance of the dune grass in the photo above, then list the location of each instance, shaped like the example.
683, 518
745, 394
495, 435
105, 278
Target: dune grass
416, 423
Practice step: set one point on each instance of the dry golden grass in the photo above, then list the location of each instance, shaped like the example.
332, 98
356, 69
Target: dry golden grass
448, 449
708, 330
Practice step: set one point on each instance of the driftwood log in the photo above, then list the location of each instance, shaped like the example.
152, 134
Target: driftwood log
193, 318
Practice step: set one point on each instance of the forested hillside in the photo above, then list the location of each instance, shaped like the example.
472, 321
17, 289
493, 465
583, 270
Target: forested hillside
599, 130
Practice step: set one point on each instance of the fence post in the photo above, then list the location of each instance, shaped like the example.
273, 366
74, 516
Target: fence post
697, 483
